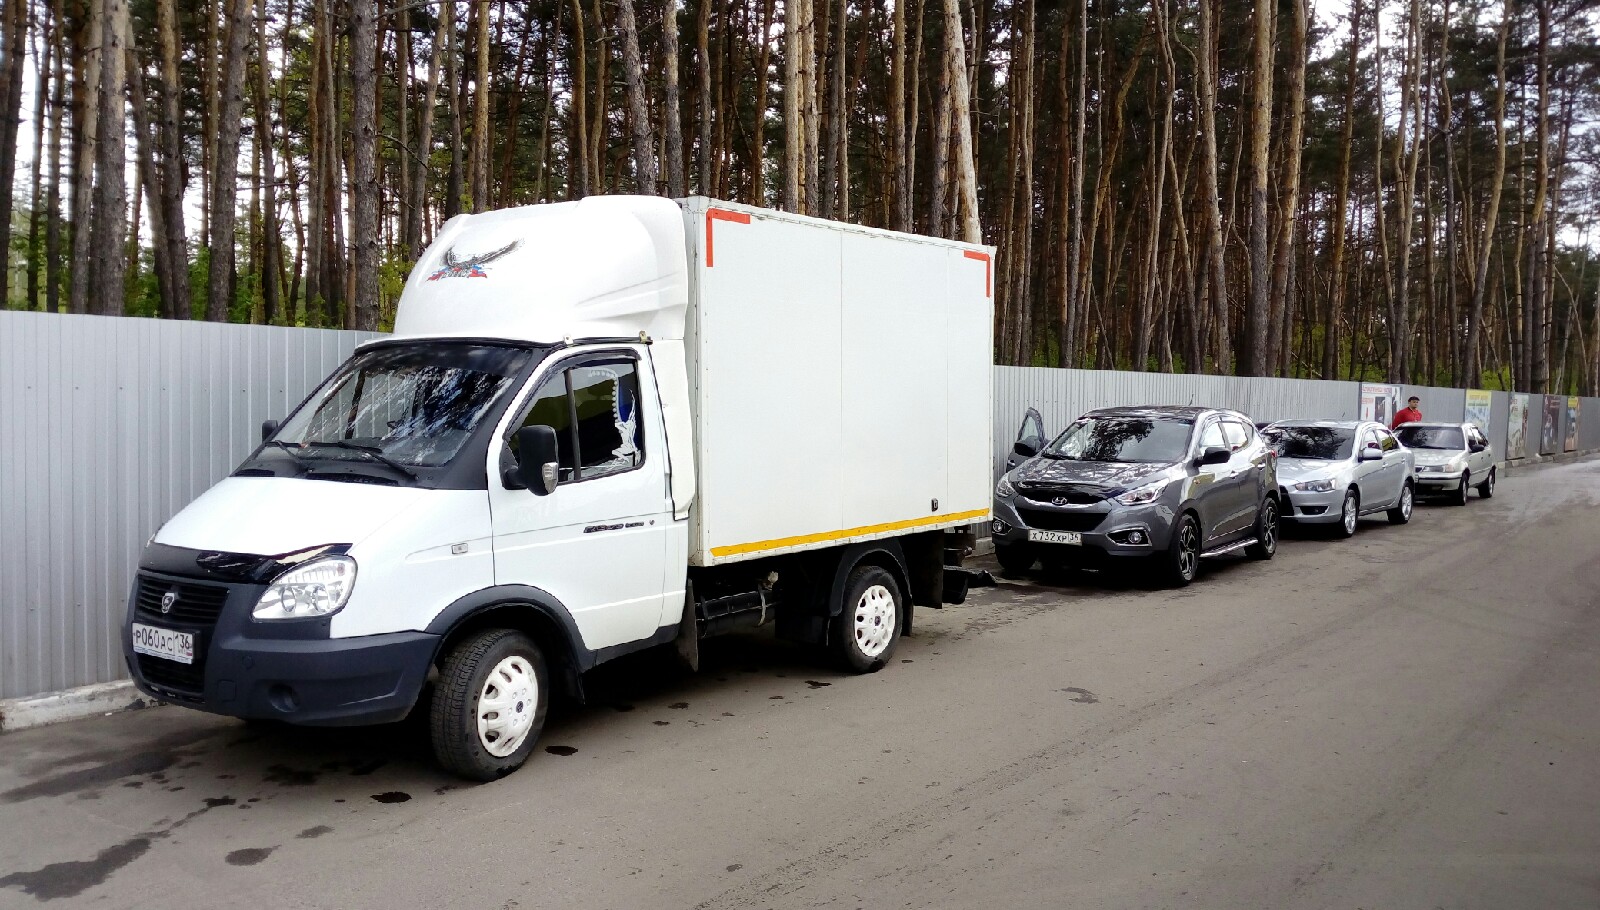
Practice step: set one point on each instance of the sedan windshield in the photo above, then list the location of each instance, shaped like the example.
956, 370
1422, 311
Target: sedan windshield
1152, 440
1415, 437
401, 406
1316, 443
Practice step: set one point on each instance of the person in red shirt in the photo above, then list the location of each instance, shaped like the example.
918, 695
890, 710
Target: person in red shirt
1409, 413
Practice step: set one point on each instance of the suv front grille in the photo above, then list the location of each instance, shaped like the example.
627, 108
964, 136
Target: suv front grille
1061, 521
1068, 495
196, 604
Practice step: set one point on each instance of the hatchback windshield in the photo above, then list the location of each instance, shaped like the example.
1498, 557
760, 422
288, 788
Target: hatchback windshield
1317, 443
1431, 437
1154, 440
406, 406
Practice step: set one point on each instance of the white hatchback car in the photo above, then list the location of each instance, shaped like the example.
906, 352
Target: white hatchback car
1335, 471
1450, 458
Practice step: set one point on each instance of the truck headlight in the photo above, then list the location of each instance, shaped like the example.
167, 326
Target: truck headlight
1314, 486
1150, 492
317, 588
1004, 489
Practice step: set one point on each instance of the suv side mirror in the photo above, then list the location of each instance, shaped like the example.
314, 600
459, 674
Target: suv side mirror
1214, 455
537, 459
268, 427
1029, 447
1372, 453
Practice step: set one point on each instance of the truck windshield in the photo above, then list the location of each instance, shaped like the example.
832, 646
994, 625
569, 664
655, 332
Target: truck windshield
1158, 440
1316, 443
401, 407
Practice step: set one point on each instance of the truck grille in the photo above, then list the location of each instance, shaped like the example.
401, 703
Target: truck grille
1061, 521
196, 609
197, 604
187, 681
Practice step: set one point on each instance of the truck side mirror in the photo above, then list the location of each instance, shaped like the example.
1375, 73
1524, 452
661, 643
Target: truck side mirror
268, 427
537, 459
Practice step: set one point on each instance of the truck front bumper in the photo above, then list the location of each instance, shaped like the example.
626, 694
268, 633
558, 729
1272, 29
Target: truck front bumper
283, 670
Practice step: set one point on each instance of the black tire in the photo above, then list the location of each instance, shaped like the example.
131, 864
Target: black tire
1266, 545
1458, 496
464, 676
1015, 558
1486, 489
864, 634
1181, 561
1401, 513
1349, 514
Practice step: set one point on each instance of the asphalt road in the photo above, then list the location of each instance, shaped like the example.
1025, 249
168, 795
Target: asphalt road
1407, 719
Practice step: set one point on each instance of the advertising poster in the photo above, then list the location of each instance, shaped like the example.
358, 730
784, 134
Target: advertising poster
1478, 404
1550, 427
1379, 402
1517, 427
1571, 444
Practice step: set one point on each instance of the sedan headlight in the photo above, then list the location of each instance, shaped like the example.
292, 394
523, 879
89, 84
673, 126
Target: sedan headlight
1150, 492
317, 588
1314, 486
1004, 489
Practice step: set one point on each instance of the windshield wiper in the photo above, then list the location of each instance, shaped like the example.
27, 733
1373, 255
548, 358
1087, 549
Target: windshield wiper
292, 449
372, 452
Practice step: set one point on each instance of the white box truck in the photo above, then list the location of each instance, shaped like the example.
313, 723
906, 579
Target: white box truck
598, 426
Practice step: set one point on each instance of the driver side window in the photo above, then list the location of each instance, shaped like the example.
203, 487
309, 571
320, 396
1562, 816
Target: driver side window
593, 406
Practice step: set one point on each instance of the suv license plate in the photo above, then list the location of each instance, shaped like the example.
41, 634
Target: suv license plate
172, 645
1067, 537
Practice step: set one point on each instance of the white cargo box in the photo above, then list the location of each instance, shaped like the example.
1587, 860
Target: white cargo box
839, 380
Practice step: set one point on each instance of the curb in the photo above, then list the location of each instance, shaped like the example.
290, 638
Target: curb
71, 704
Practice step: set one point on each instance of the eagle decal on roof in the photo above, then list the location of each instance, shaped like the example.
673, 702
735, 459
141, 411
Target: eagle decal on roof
470, 266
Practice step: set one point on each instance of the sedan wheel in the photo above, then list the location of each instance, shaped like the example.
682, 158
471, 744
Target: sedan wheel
1486, 489
1459, 496
1401, 513
1349, 514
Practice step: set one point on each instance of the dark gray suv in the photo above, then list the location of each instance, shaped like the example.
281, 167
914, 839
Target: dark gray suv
1169, 483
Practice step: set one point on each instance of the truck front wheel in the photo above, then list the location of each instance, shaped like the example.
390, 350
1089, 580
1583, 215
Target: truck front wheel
867, 629
489, 704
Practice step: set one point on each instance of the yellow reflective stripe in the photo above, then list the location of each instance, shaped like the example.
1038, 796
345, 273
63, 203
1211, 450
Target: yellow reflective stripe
784, 542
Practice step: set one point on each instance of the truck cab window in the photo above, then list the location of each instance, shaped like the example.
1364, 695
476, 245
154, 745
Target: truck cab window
608, 436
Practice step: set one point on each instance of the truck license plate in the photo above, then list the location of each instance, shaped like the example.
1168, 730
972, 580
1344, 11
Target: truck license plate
1068, 537
167, 643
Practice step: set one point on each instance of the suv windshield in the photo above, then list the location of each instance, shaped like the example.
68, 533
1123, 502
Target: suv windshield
1431, 437
1318, 443
1152, 440
400, 407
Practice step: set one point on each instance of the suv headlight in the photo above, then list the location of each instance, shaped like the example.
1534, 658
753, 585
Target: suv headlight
1314, 486
1150, 492
1004, 489
317, 588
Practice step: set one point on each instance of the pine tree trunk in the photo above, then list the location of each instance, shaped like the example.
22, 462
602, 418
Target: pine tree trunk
482, 98
171, 168
224, 191
13, 52
271, 243
149, 179
961, 116
899, 181
793, 151
1289, 196
52, 228
758, 146
110, 219
420, 182
1217, 270
1258, 355
673, 113
363, 176
644, 160
44, 57
578, 147
1341, 197
1473, 370
85, 122
703, 109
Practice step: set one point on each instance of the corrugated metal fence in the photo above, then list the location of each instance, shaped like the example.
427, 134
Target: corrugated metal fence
109, 426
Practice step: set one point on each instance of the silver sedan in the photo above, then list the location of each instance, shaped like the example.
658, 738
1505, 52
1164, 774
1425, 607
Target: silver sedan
1451, 457
1335, 471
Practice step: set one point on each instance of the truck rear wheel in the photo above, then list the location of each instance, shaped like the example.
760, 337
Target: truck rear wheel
865, 632
489, 704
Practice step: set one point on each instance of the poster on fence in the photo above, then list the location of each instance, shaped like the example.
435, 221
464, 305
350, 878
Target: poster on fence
1517, 428
1550, 426
1571, 444
1479, 401
1379, 402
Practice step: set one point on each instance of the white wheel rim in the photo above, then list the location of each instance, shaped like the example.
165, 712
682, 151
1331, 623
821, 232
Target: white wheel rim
507, 705
1350, 514
1405, 502
874, 624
